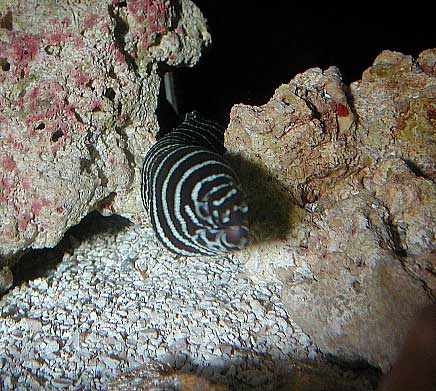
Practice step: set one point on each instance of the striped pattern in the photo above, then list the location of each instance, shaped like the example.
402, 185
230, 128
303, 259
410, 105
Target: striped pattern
191, 193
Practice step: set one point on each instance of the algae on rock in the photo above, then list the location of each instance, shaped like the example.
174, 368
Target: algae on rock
78, 95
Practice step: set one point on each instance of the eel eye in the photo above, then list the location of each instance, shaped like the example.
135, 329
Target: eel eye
203, 210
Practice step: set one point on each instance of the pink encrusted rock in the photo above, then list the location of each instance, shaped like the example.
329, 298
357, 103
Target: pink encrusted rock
341, 185
78, 94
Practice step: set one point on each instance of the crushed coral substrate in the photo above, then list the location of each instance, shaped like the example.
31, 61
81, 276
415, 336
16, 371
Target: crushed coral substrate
119, 299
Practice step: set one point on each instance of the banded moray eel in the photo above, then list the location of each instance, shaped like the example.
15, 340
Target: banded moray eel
193, 197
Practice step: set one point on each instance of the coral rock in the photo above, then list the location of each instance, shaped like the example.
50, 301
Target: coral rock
341, 184
78, 94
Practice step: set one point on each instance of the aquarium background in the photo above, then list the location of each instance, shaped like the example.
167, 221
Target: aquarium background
256, 46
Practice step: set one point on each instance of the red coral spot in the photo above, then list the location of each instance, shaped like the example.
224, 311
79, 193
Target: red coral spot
23, 220
342, 110
56, 108
105, 28
66, 21
81, 78
140, 19
8, 163
5, 187
90, 21
25, 182
25, 47
38, 204
33, 120
51, 87
36, 208
56, 147
78, 41
57, 38
59, 209
154, 10
20, 100
16, 145
34, 94
146, 43
134, 6
34, 104
95, 105
119, 57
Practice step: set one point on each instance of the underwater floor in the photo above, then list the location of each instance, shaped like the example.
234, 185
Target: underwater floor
117, 299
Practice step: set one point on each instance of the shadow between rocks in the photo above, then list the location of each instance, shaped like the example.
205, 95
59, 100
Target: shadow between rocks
273, 213
249, 371
42, 262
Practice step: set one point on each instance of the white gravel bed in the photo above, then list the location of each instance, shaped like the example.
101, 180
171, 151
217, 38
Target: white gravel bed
120, 299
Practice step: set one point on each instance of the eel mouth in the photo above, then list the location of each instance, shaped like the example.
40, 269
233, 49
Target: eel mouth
236, 236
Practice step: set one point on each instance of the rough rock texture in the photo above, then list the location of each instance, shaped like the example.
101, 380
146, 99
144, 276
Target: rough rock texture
156, 377
341, 186
78, 94
292, 375
116, 301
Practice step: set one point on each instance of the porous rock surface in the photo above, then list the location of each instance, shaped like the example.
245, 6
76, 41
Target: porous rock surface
78, 94
119, 312
341, 185
158, 377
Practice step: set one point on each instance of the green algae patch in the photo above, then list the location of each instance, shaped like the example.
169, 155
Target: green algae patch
419, 124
